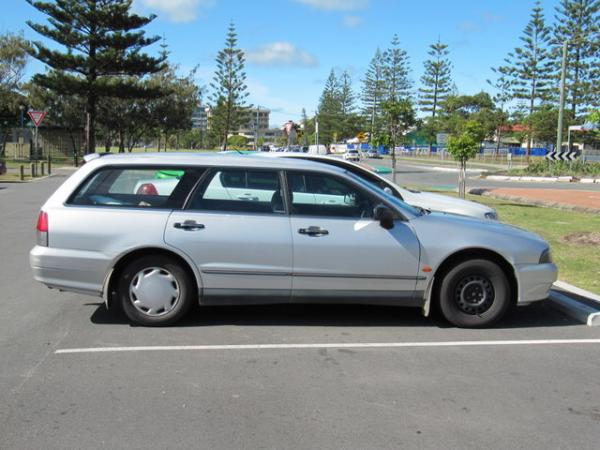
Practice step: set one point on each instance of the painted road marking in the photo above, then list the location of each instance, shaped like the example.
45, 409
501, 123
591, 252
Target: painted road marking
324, 345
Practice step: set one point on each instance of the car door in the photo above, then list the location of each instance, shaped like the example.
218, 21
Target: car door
340, 251
236, 229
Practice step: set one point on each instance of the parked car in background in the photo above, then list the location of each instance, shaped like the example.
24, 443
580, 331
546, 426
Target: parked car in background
373, 153
237, 229
352, 155
318, 149
426, 200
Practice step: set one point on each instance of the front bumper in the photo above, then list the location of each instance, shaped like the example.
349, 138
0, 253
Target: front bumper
535, 281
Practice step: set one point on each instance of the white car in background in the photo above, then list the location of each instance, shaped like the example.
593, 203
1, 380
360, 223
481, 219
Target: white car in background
352, 155
425, 200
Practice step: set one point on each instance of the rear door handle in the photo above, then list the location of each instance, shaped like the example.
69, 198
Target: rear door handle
313, 231
188, 225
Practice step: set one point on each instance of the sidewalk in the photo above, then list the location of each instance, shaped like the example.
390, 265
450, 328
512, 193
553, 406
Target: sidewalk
588, 201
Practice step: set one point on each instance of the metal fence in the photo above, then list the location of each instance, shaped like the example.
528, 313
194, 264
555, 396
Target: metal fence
54, 142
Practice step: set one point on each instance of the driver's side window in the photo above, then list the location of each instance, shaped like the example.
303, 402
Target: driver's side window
316, 194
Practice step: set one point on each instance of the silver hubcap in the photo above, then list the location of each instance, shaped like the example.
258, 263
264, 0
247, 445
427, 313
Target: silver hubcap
154, 291
474, 294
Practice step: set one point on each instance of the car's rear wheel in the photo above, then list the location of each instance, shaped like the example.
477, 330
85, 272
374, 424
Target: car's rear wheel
474, 293
155, 291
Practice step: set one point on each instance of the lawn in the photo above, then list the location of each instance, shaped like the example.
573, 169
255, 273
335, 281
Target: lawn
578, 264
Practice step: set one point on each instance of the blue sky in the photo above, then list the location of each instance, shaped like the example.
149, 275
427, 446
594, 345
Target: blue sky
292, 45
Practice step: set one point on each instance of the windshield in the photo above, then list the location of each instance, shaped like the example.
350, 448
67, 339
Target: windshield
403, 207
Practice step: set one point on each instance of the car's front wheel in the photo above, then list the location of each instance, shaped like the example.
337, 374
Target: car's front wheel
474, 293
155, 291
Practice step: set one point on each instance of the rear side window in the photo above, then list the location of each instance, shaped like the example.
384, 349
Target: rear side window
235, 190
142, 187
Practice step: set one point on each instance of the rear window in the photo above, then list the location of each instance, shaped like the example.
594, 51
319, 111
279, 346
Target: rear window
143, 187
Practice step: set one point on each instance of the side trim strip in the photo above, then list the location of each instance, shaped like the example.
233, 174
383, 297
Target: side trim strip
310, 274
246, 272
356, 275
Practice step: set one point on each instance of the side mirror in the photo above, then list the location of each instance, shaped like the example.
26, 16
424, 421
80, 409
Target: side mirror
385, 216
388, 190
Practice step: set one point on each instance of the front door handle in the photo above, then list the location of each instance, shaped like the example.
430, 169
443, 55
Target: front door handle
188, 225
313, 231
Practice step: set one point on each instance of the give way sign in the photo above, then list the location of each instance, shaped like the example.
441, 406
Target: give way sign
36, 116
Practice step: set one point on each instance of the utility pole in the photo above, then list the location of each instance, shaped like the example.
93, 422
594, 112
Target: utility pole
561, 107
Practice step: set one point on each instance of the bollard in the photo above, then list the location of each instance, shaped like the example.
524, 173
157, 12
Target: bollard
32, 170
49, 165
42, 167
22, 172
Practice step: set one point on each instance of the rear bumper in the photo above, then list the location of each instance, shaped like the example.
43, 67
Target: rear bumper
69, 270
535, 281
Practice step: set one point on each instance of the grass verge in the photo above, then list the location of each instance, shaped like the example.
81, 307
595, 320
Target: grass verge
578, 264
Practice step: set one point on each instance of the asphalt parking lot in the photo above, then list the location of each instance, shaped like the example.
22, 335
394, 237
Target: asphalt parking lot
74, 375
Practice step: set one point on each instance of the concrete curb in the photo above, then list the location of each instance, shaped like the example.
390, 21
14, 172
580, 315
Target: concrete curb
532, 179
32, 180
575, 309
590, 296
534, 202
455, 169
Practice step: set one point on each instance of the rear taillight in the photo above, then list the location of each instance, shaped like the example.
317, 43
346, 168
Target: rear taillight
42, 229
147, 189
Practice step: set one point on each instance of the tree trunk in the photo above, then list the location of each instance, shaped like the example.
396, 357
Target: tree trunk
121, 141
462, 178
73, 143
3, 145
394, 159
498, 137
90, 128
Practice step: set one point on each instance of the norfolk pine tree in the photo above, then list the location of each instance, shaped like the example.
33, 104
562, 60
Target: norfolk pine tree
229, 90
102, 56
578, 24
529, 68
396, 68
350, 121
330, 110
436, 85
372, 92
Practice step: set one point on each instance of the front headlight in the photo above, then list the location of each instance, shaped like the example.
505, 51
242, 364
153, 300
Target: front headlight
546, 257
491, 215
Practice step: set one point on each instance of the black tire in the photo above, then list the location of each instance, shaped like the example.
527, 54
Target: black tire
474, 293
167, 271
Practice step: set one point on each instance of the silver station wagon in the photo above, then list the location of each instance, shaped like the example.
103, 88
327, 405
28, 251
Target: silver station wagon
238, 230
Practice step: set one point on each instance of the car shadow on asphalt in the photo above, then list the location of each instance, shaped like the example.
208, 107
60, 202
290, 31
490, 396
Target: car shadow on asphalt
532, 316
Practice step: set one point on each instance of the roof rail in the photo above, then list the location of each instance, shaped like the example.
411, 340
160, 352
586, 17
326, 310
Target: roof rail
91, 156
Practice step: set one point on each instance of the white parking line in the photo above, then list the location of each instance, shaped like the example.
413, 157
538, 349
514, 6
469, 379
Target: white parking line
324, 345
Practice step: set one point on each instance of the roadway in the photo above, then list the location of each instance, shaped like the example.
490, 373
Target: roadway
413, 173
349, 377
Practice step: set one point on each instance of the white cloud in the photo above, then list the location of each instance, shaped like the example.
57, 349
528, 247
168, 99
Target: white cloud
336, 5
176, 10
282, 107
281, 54
351, 21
